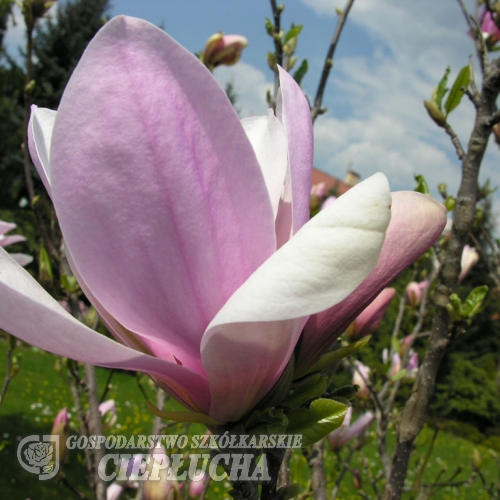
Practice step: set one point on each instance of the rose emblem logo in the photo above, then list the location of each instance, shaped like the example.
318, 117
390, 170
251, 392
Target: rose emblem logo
39, 454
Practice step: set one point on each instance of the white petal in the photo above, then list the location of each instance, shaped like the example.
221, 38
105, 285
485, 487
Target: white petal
40, 136
267, 136
322, 264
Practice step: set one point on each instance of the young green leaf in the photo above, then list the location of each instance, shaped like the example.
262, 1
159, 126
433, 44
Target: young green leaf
456, 92
323, 417
301, 71
292, 32
422, 186
441, 89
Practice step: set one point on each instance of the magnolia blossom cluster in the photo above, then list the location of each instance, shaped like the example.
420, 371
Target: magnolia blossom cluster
189, 231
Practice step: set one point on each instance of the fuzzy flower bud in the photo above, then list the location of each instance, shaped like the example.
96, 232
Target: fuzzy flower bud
223, 49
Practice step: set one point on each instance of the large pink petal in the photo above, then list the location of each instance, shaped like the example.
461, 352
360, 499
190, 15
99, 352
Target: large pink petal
293, 110
416, 223
158, 191
250, 341
31, 314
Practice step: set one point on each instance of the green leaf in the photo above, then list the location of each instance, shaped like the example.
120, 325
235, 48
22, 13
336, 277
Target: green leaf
474, 301
184, 416
441, 89
398, 376
323, 417
422, 186
44, 266
310, 388
292, 33
456, 92
346, 392
332, 357
301, 71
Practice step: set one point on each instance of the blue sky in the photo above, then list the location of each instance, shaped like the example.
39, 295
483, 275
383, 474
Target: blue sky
391, 55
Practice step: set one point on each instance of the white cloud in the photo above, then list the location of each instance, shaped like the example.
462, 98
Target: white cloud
377, 120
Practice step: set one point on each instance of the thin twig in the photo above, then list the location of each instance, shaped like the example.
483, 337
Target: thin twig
8, 368
61, 478
455, 140
316, 109
278, 47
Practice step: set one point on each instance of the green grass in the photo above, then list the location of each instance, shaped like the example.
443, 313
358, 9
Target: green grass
39, 391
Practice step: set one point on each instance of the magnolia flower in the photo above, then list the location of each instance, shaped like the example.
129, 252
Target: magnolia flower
369, 320
188, 230
107, 409
361, 377
414, 292
318, 190
60, 428
158, 486
339, 437
470, 258
488, 25
412, 366
395, 364
223, 49
114, 491
5, 227
196, 487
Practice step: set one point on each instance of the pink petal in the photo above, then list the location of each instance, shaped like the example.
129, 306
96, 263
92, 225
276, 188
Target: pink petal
372, 315
416, 223
292, 109
170, 213
5, 227
31, 314
22, 259
10, 240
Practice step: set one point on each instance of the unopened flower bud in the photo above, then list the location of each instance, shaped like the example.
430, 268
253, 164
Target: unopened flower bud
223, 49
469, 259
61, 428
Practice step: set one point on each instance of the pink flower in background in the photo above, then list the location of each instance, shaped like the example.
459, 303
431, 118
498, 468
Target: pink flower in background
319, 190
370, 319
361, 377
196, 488
107, 409
395, 365
188, 230
114, 491
470, 258
158, 487
328, 202
20, 258
223, 49
414, 292
60, 428
488, 25
339, 437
